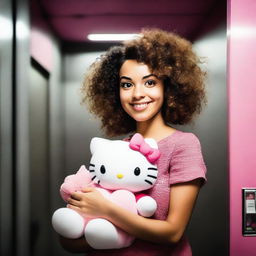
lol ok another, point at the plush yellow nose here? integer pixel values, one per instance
(119, 176)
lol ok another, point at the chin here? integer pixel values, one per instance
(142, 118)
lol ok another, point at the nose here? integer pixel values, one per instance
(119, 176)
(138, 92)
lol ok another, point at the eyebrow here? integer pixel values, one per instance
(144, 77)
(125, 77)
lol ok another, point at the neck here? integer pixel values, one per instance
(151, 128)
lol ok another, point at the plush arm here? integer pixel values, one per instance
(146, 205)
(183, 197)
(75, 182)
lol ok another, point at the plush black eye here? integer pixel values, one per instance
(102, 169)
(137, 171)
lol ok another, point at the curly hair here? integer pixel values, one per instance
(168, 56)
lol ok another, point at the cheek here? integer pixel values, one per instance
(158, 95)
(124, 98)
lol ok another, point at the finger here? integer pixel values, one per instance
(76, 196)
(74, 202)
(75, 208)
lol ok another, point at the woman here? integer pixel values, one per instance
(145, 86)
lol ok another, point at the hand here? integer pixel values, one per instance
(90, 202)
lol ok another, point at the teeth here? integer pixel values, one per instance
(141, 105)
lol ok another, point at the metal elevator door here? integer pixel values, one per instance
(39, 161)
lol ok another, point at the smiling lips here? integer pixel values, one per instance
(140, 106)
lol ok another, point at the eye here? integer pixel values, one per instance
(150, 83)
(102, 169)
(125, 85)
(137, 171)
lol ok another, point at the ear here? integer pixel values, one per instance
(152, 143)
(97, 143)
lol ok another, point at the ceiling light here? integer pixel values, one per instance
(111, 37)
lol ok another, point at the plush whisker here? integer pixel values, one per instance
(152, 168)
(149, 182)
(151, 176)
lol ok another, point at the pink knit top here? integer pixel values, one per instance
(181, 161)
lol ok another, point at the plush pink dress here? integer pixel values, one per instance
(181, 161)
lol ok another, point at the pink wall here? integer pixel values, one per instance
(242, 116)
(41, 48)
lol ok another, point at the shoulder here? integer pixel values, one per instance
(180, 138)
(184, 143)
(186, 139)
(187, 147)
(178, 144)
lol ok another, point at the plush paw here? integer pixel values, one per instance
(101, 234)
(68, 223)
(146, 206)
(75, 182)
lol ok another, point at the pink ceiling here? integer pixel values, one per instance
(73, 20)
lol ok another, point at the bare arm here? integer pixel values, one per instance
(182, 199)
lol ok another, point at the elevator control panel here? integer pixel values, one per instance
(249, 211)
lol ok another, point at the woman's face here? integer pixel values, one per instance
(141, 92)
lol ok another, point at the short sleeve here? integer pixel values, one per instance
(187, 161)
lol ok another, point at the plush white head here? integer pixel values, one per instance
(114, 165)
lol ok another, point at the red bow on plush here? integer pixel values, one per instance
(138, 143)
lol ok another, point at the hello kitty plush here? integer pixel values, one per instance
(119, 170)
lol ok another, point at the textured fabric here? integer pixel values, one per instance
(180, 161)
